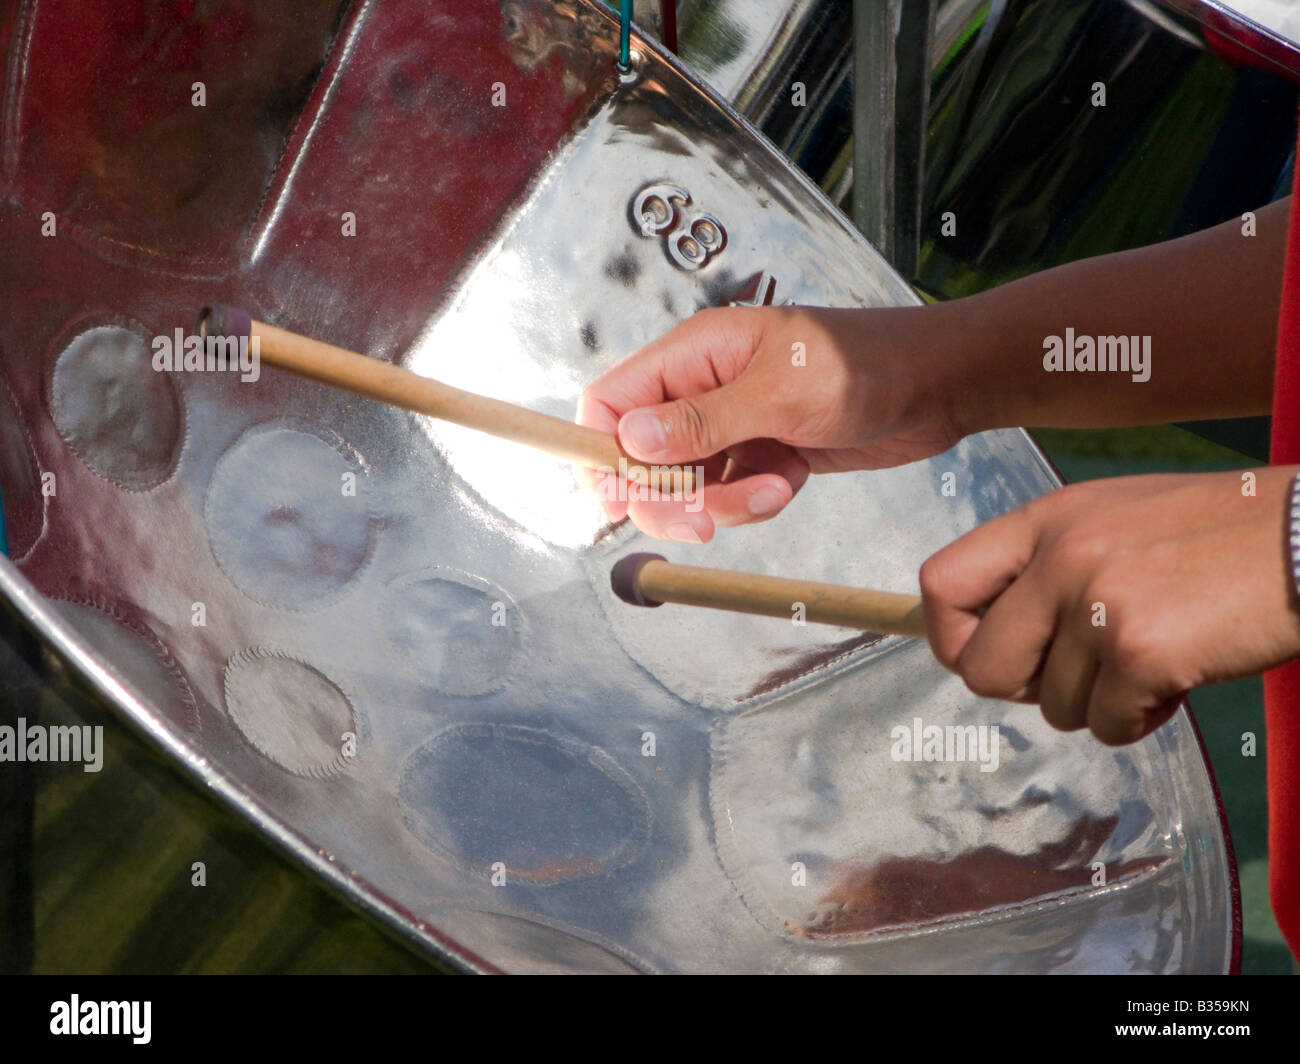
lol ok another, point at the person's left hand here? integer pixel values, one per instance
(1107, 601)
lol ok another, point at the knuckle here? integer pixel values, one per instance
(932, 578)
(1099, 587)
(1135, 650)
(1075, 549)
(986, 685)
(1061, 712)
(1101, 591)
(1119, 726)
(590, 403)
(945, 647)
(1159, 665)
(690, 426)
(1060, 716)
(985, 679)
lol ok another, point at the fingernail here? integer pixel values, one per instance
(644, 433)
(683, 532)
(766, 501)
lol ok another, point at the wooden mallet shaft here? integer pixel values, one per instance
(651, 580)
(400, 387)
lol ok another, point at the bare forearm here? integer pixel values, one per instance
(1207, 302)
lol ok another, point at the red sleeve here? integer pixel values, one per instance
(1282, 685)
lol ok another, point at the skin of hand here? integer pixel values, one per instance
(761, 397)
(1187, 574)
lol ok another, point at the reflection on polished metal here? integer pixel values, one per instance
(1032, 174)
(891, 81)
(1011, 143)
(756, 53)
(581, 786)
(1269, 30)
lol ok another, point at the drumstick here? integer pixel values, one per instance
(652, 580)
(400, 387)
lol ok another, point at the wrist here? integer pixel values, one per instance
(955, 352)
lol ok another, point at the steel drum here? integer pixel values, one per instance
(389, 643)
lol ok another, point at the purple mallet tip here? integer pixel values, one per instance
(623, 578)
(217, 319)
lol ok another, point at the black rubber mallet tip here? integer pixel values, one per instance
(217, 319)
(624, 578)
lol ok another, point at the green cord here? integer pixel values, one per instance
(625, 35)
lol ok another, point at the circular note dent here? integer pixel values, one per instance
(121, 417)
(548, 809)
(457, 632)
(287, 523)
(290, 711)
(135, 650)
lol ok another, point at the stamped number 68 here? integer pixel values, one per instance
(692, 237)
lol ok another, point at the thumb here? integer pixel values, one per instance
(693, 427)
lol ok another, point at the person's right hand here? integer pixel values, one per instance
(762, 396)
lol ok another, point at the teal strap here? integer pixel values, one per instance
(625, 35)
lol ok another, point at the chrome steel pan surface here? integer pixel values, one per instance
(389, 642)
